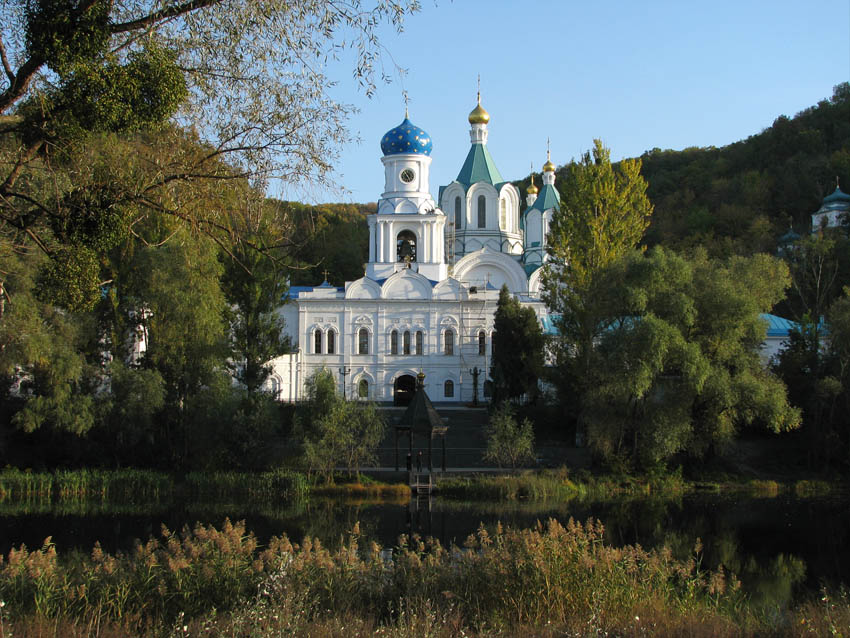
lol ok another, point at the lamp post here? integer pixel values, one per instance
(475, 372)
(344, 372)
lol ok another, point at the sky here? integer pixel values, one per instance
(638, 75)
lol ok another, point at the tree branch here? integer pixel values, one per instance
(164, 14)
(6, 67)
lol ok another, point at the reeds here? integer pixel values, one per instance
(551, 575)
(128, 485)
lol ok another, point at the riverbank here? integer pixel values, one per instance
(548, 580)
(130, 486)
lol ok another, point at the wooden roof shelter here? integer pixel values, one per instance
(421, 418)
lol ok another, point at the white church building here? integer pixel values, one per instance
(427, 299)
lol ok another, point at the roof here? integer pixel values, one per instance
(479, 167)
(420, 414)
(778, 326)
(406, 138)
(549, 197)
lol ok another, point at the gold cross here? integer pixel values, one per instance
(325, 273)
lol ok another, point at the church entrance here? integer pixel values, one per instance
(403, 389)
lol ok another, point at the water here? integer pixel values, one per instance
(780, 547)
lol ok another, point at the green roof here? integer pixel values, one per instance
(548, 198)
(479, 167)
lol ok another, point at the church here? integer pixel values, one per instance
(427, 299)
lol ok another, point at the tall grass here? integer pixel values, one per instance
(275, 484)
(552, 576)
(128, 485)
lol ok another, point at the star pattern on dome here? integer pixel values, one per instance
(406, 138)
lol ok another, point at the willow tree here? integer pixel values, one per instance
(602, 216)
(245, 78)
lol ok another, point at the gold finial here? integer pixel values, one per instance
(532, 189)
(478, 114)
(548, 166)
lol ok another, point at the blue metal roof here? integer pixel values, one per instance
(406, 138)
(549, 197)
(778, 326)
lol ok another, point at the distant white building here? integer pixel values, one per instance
(834, 210)
(427, 300)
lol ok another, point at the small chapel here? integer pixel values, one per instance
(427, 299)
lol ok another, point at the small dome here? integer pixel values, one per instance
(479, 115)
(406, 138)
(548, 166)
(532, 189)
(837, 196)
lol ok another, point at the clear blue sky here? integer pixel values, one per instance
(637, 75)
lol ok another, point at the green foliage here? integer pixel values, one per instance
(517, 349)
(63, 34)
(508, 442)
(678, 368)
(739, 199)
(602, 216)
(336, 431)
(70, 279)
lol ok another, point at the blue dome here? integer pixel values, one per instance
(406, 138)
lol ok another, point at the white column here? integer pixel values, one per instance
(380, 242)
(372, 240)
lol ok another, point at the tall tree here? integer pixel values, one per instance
(517, 350)
(602, 216)
(678, 369)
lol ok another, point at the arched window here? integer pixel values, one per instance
(482, 343)
(458, 214)
(503, 214)
(419, 342)
(317, 342)
(406, 246)
(482, 211)
(274, 382)
(363, 389)
(406, 342)
(363, 341)
(394, 342)
(449, 389)
(449, 339)
(331, 342)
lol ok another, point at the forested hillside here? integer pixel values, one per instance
(738, 199)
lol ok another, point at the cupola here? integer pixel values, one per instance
(406, 138)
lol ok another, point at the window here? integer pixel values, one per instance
(492, 344)
(450, 342)
(419, 342)
(363, 341)
(406, 342)
(394, 342)
(458, 214)
(482, 344)
(449, 389)
(331, 342)
(274, 382)
(363, 389)
(503, 216)
(406, 246)
(482, 211)
(317, 342)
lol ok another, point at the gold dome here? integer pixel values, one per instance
(532, 189)
(548, 166)
(479, 115)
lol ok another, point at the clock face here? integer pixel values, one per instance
(408, 175)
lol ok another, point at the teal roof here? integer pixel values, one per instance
(479, 167)
(779, 326)
(546, 199)
(837, 196)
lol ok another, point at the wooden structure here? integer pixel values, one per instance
(421, 419)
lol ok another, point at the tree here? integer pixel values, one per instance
(508, 443)
(254, 282)
(678, 369)
(335, 431)
(517, 349)
(82, 76)
(602, 216)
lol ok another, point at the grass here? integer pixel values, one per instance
(548, 580)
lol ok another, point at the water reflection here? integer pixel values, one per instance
(778, 547)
